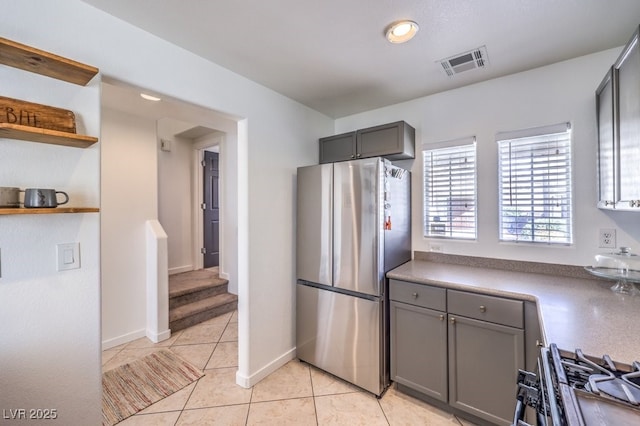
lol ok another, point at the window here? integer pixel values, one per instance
(535, 185)
(450, 189)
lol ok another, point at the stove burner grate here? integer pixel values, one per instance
(603, 379)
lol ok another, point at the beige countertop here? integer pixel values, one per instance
(573, 312)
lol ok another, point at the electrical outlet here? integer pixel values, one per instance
(607, 238)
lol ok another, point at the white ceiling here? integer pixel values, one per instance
(332, 56)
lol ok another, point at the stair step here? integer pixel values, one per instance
(196, 312)
(187, 282)
(192, 286)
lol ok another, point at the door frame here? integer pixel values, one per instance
(197, 197)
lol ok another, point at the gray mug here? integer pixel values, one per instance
(9, 196)
(38, 197)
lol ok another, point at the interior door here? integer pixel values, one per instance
(211, 214)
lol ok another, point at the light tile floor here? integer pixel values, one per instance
(295, 394)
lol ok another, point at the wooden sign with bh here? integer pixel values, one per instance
(23, 113)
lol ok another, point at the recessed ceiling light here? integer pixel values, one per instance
(401, 31)
(149, 97)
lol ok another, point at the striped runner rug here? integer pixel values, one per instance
(135, 386)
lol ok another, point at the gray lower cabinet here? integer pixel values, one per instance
(419, 349)
(484, 359)
(394, 141)
(458, 347)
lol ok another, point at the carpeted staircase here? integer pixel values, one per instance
(197, 296)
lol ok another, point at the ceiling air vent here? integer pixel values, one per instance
(476, 58)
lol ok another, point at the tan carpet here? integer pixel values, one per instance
(135, 386)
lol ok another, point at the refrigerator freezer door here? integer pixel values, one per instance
(358, 222)
(341, 334)
(314, 224)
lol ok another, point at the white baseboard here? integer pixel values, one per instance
(125, 338)
(249, 381)
(224, 275)
(180, 269)
(159, 337)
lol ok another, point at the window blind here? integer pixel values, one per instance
(450, 190)
(535, 185)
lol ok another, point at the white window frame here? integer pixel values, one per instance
(459, 217)
(535, 185)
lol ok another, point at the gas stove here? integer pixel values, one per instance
(574, 389)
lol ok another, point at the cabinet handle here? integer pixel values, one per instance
(353, 156)
(608, 203)
(634, 203)
(483, 308)
(441, 317)
(539, 344)
(415, 295)
(452, 320)
(358, 155)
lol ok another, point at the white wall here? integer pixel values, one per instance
(553, 94)
(129, 199)
(50, 320)
(274, 136)
(175, 205)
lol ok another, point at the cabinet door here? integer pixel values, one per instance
(484, 359)
(419, 349)
(394, 141)
(628, 94)
(606, 171)
(338, 148)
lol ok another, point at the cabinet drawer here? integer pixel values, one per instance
(487, 308)
(418, 294)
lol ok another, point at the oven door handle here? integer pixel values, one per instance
(523, 398)
(541, 419)
(518, 415)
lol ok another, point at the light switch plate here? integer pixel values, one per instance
(165, 145)
(68, 256)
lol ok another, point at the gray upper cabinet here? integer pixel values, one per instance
(606, 138)
(338, 148)
(627, 68)
(618, 109)
(394, 141)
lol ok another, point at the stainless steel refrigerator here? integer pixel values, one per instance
(353, 225)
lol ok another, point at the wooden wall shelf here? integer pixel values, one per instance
(56, 210)
(44, 63)
(35, 134)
